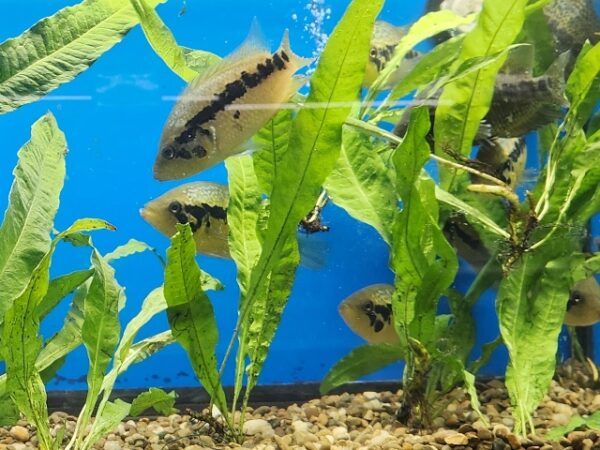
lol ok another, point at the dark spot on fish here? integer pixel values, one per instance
(236, 114)
(233, 91)
(199, 151)
(184, 154)
(454, 229)
(285, 56)
(378, 326)
(385, 311)
(278, 62)
(216, 212)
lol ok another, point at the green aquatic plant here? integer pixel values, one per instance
(92, 320)
(60, 47)
(536, 244)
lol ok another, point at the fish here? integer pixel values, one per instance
(503, 158)
(383, 44)
(583, 307)
(368, 313)
(203, 205)
(220, 110)
(522, 102)
(571, 22)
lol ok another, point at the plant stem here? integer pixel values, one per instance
(375, 130)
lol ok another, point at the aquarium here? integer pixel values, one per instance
(384, 211)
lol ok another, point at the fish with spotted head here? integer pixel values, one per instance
(225, 106)
(201, 204)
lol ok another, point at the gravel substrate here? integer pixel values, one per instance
(360, 421)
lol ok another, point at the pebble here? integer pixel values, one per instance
(340, 433)
(112, 445)
(255, 427)
(456, 439)
(19, 433)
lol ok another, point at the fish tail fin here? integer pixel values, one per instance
(556, 73)
(296, 62)
(297, 82)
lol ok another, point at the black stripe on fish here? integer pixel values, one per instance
(454, 229)
(385, 311)
(508, 166)
(233, 91)
(197, 215)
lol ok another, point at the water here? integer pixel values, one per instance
(112, 116)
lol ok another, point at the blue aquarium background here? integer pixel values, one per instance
(112, 116)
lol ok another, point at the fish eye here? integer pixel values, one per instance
(373, 52)
(168, 152)
(574, 299)
(175, 207)
(368, 307)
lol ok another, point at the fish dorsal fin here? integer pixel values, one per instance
(520, 61)
(254, 43)
(295, 62)
(556, 71)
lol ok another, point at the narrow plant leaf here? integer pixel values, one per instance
(114, 413)
(271, 142)
(59, 288)
(530, 304)
(423, 261)
(267, 312)
(33, 202)
(360, 362)
(191, 314)
(465, 102)
(156, 399)
(315, 138)
(242, 216)
(583, 85)
(100, 334)
(59, 47)
(162, 41)
(131, 247)
(23, 343)
(360, 183)
(145, 348)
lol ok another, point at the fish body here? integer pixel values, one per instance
(505, 158)
(571, 22)
(368, 313)
(224, 107)
(383, 44)
(523, 103)
(583, 308)
(201, 204)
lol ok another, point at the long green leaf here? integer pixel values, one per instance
(465, 102)
(59, 288)
(25, 231)
(531, 303)
(315, 138)
(360, 183)
(100, 334)
(360, 362)
(592, 422)
(422, 259)
(242, 216)
(191, 314)
(59, 47)
(162, 41)
(272, 143)
(23, 343)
